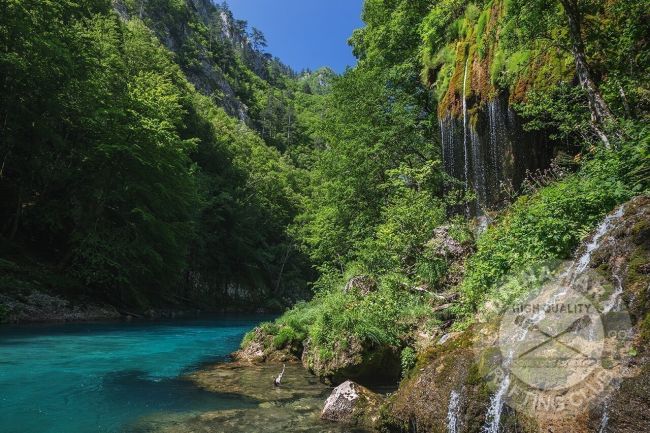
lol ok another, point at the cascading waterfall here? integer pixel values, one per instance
(602, 428)
(478, 168)
(491, 149)
(495, 409)
(452, 412)
(465, 125)
(498, 137)
(603, 228)
(493, 417)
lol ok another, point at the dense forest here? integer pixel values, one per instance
(390, 218)
(154, 155)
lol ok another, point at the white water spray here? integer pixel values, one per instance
(453, 412)
(567, 278)
(603, 228)
(465, 125)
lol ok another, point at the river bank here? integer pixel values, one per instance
(293, 407)
(36, 306)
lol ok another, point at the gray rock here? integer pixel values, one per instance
(353, 404)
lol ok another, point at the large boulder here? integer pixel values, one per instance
(352, 404)
(351, 359)
(259, 347)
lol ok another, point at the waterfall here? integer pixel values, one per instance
(603, 228)
(465, 125)
(490, 147)
(602, 428)
(497, 143)
(478, 172)
(567, 278)
(614, 302)
(493, 417)
(453, 412)
(447, 132)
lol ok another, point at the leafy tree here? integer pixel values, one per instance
(536, 19)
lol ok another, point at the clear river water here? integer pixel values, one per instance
(85, 378)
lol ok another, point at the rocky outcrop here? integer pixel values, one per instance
(206, 52)
(455, 385)
(352, 360)
(259, 347)
(444, 374)
(352, 404)
(37, 306)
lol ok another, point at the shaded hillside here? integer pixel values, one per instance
(123, 178)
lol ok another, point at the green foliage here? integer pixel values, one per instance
(123, 175)
(549, 224)
(408, 359)
(381, 318)
(563, 110)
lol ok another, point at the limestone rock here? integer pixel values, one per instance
(260, 348)
(352, 360)
(353, 404)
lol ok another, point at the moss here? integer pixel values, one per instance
(644, 328)
(474, 376)
(641, 232)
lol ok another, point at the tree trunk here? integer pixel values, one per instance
(284, 262)
(600, 112)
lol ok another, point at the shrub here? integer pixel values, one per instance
(408, 360)
(550, 223)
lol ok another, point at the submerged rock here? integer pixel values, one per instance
(256, 381)
(257, 405)
(351, 403)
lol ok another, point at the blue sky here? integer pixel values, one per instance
(304, 33)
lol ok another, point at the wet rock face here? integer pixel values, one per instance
(352, 404)
(487, 147)
(444, 390)
(367, 365)
(448, 392)
(626, 255)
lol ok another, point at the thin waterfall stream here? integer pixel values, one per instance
(566, 280)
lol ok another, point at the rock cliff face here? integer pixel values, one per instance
(477, 81)
(211, 46)
(449, 390)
